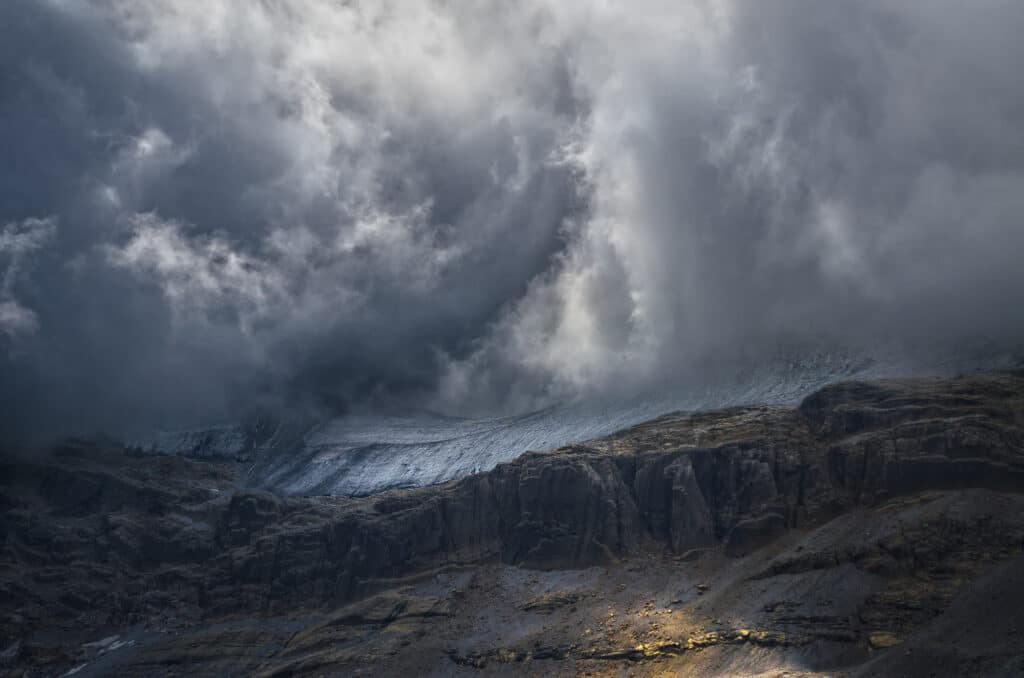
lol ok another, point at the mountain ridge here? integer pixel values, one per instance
(912, 488)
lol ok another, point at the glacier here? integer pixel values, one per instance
(361, 454)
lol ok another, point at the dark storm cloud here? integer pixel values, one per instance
(214, 206)
(255, 205)
(770, 174)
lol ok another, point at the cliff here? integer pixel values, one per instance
(820, 538)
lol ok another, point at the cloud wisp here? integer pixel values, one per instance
(17, 243)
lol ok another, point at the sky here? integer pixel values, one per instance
(211, 207)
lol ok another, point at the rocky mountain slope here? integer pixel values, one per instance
(877, 529)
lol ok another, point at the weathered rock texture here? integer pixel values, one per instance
(96, 539)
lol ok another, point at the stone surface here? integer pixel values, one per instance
(822, 535)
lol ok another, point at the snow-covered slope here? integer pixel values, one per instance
(361, 454)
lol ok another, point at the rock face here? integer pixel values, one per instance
(96, 539)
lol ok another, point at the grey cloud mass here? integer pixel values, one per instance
(213, 206)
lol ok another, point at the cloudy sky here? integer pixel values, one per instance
(210, 206)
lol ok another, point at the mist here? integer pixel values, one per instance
(213, 207)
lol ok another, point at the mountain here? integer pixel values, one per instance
(876, 529)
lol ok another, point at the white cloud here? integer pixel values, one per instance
(18, 242)
(199, 276)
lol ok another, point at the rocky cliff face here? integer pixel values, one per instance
(97, 540)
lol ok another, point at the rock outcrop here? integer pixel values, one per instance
(97, 539)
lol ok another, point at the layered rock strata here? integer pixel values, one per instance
(96, 539)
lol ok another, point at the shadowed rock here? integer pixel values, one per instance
(161, 540)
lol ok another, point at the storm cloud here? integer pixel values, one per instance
(209, 207)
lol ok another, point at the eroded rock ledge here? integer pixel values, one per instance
(95, 538)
